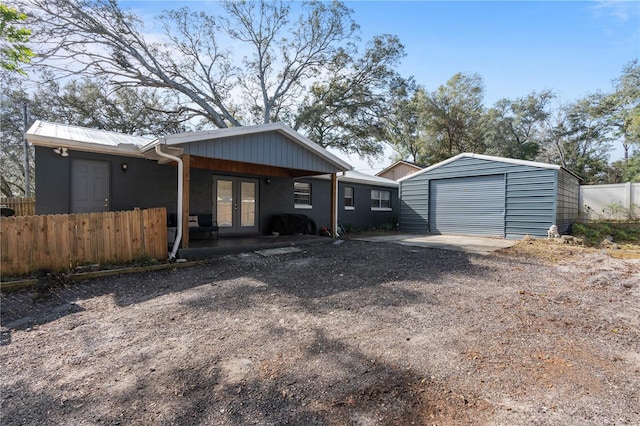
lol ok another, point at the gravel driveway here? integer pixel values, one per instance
(357, 333)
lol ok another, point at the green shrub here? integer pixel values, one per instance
(594, 232)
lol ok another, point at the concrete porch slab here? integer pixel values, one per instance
(469, 244)
(277, 251)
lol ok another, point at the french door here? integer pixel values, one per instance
(235, 204)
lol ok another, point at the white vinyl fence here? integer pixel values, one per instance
(619, 201)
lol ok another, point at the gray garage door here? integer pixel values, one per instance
(470, 205)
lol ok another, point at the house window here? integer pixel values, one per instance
(380, 200)
(348, 198)
(302, 195)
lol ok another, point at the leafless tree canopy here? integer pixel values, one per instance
(196, 56)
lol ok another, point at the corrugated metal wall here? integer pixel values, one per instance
(530, 199)
(414, 205)
(269, 148)
(568, 204)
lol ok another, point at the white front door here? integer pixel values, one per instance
(235, 205)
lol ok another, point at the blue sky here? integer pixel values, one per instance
(573, 47)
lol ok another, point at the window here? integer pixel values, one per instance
(302, 195)
(380, 200)
(348, 198)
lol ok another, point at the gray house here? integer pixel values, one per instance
(476, 194)
(242, 177)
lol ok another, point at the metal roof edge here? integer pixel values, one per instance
(34, 137)
(298, 138)
(50, 142)
(489, 158)
(362, 178)
(180, 138)
(312, 146)
(513, 161)
(434, 166)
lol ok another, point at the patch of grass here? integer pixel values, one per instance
(595, 232)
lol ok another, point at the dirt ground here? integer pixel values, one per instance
(351, 334)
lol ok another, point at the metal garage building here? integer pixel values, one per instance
(476, 194)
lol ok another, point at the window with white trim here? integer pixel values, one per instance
(348, 198)
(302, 195)
(380, 200)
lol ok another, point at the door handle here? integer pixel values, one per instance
(106, 203)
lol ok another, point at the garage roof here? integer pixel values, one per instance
(489, 158)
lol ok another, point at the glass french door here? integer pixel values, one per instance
(235, 204)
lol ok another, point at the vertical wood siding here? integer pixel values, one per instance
(270, 148)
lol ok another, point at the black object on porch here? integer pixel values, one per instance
(293, 224)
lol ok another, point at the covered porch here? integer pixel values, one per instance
(242, 177)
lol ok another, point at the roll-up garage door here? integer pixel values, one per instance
(469, 205)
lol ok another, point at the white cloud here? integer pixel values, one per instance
(621, 10)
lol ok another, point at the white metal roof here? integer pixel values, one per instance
(55, 135)
(485, 157)
(355, 176)
(45, 133)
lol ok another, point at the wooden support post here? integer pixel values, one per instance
(334, 204)
(186, 176)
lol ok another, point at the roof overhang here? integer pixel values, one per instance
(353, 176)
(54, 135)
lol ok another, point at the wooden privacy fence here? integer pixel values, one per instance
(61, 242)
(22, 206)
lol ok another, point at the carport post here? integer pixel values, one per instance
(334, 204)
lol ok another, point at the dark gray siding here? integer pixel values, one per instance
(145, 184)
(148, 184)
(270, 148)
(361, 217)
(530, 195)
(568, 203)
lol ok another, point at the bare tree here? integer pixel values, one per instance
(285, 54)
(97, 38)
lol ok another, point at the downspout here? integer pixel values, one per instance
(176, 242)
(336, 234)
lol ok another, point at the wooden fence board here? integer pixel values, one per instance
(61, 242)
(22, 206)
